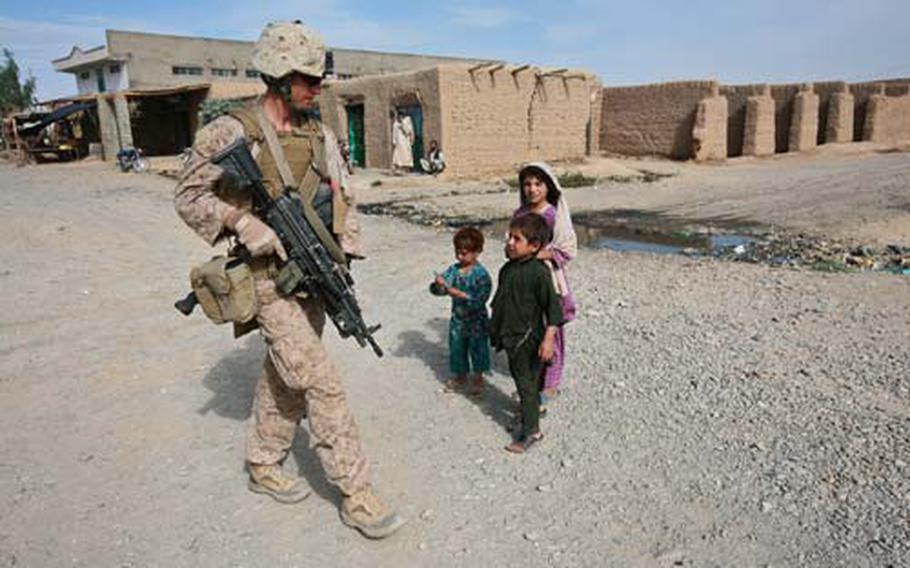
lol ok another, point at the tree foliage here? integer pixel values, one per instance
(210, 110)
(14, 95)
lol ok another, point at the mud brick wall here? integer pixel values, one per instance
(804, 122)
(495, 119)
(709, 135)
(652, 119)
(887, 119)
(783, 96)
(861, 93)
(825, 90)
(758, 137)
(596, 125)
(737, 96)
(839, 126)
(379, 95)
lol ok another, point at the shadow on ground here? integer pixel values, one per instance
(432, 349)
(232, 381)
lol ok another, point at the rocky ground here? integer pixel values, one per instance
(715, 413)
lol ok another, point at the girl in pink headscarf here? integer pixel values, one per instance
(540, 193)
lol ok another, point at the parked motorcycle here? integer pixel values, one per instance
(130, 159)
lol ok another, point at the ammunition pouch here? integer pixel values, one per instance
(225, 289)
(290, 278)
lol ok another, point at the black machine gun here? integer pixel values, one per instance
(310, 266)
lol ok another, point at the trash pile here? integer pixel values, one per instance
(422, 215)
(800, 250)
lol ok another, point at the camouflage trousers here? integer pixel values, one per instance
(299, 380)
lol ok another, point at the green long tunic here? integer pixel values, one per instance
(524, 304)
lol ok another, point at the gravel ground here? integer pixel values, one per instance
(715, 413)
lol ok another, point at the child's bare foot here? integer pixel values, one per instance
(455, 384)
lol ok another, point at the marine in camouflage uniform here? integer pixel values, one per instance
(299, 379)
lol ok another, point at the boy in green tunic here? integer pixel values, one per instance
(526, 313)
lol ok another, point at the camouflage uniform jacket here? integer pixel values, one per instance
(203, 196)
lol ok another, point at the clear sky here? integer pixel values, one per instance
(627, 42)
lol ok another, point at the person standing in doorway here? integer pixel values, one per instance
(402, 143)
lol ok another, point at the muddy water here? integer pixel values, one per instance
(641, 231)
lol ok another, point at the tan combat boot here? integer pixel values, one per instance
(270, 479)
(366, 513)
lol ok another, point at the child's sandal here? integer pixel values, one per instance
(453, 385)
(523, 444)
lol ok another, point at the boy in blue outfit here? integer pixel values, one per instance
(469, 284)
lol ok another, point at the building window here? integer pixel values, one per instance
(252, 74)
(85, 75)
(114, 69)
(185, 70)
(221, 72)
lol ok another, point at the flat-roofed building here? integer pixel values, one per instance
(137, 60)
(149, 87)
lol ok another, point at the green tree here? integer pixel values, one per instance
(14, 95)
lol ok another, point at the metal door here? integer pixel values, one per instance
(355, 135)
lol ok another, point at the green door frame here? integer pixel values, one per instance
(356, 137)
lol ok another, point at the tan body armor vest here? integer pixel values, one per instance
(301, 147)
(304, 150)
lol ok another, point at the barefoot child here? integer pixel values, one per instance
(469, 285)
(526, 314)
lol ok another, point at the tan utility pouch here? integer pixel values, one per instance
(225, 289)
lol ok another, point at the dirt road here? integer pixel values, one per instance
(715, 413)
(829, 193)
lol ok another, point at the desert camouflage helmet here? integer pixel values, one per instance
(286, 47)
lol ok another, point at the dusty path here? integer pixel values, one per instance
(716, 413)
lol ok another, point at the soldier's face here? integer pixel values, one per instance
(304, 90)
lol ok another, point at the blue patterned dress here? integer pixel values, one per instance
(469, 326)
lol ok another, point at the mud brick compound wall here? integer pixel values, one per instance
(887, 119)
(826, 91)
(487, 119)
(758, 131)
(709, 134)
(737, 97)
(497, 117)
(379, 95)
(652, 119)
(861, 93)
(760, 120)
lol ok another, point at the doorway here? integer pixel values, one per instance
(356, 143)
(161, 123)
(415, 111)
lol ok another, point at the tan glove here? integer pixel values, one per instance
(258, 237)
